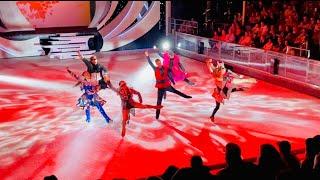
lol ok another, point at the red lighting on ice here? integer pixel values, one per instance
(42, 132)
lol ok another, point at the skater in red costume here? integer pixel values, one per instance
(223, 80)
(128, 104)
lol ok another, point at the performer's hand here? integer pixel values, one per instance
(79, 55)
(68, 69)
(146, 53)
(173, 81)
(140, 98)
(97, 88)
(106, 78)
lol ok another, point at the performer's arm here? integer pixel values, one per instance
(113, 88)
(234, 74)
(181, 67)
(84, 60)
(170, 63)
(171, 77)
(105, 74)
(160, 54)
(73, 74)
(210, 65)
(224, 82)
(149, 60)
(170, 71)
(104, 69)
(80, 55)
(137, 93)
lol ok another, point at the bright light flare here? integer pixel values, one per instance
(166, 45)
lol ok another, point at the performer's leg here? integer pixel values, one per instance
(159, 101)
(237, 89)
(125, 118)
(215, 111)
(99, 99)
(102, 84)
(173, 90)
(109, 84)
(189, 82)
(231, 90)
(106, 117)
(226, 92)
(88, 114)
(146, 106)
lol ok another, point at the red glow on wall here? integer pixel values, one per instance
(36, 9)
(44, 14)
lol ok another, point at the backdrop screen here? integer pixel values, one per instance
(43, 14)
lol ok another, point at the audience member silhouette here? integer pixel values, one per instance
(170, 171)
(307, 163)
(290, 160)
(196, 172)
(236, 168)
(292, 169)
(270, 162)
(154, 178)
(316, 167)
(317, 143)
(52, 177)
(272, 165)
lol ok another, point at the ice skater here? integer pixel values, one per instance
(90, 97)
(178, 71)
(163, 81)
(96, 69)
(128, 103)
(223, 81)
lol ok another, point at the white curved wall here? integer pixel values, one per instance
(149, 20)
(102, 8)
(115, 34)
(11, 48)
(109, 27)
(17, 21)
(129, 18)
(107, 17)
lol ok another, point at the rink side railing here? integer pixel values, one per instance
(183, 26)
(292, 67)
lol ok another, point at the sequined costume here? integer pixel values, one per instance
(177, 69)
(90, 97)
(223, 81)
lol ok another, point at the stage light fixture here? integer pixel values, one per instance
(165, 45)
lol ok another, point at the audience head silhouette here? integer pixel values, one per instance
(52, 177)
(196, 162)
(285, 147)
(233, 154)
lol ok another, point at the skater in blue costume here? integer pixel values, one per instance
(90, 96)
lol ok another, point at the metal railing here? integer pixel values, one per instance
(215, 25)
(183, 26)
(292, 67)
(295, 51)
